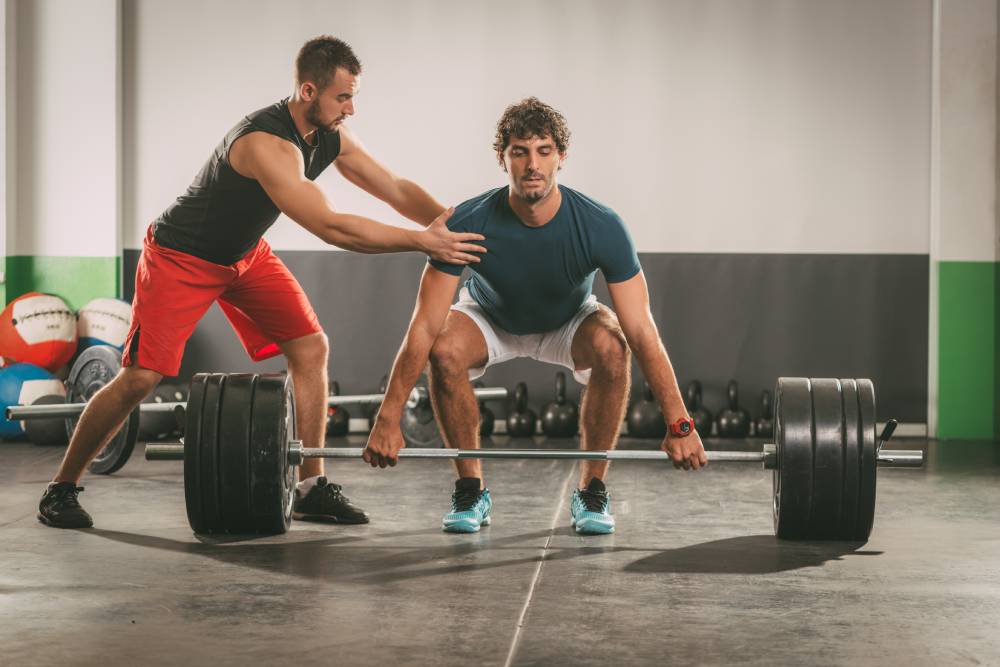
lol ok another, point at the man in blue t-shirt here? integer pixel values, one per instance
(530, 296)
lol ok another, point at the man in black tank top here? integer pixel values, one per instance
(207, 247)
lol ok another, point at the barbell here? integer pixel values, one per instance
(240, 453)
(98, 365)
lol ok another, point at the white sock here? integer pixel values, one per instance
(306, 485)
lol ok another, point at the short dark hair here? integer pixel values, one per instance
(531, 118)
(319, 59)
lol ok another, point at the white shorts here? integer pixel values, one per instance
(553, 347)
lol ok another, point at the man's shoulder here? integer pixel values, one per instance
(477, 208)
(273, 116)
(589, 207)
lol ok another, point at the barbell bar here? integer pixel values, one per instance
(898, 458)
(418, 396)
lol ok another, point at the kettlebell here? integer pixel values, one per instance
(561, 417)
(47, 432)
(338, 419)
(765, 423)
(521, 420)
(487, 420)
(734, 421)
(702, 417)
(373, 408)
(645, 419)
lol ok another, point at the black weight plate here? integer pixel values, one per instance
(235, 419)
(209, 459)
(192, 453)
(47, 432)
(793, 474)
(272, 478)
(418, 425)
(828, 459)
(420, 428)
(95, 367)
(852, 461)
(868, 467)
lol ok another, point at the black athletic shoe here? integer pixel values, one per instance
(60, 507)
(326, 503)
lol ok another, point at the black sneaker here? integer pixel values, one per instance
(326, 503)
(60, 507)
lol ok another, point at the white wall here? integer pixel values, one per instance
(7, 134)
(67, 129)
(968, 104)
(710, 125)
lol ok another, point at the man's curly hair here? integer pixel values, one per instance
(531, 118)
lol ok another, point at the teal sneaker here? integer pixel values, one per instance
(470, 507)
(590, 510)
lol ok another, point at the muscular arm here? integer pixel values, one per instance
(433, 302)
(631, 302)
(277, 165)
(359, 167)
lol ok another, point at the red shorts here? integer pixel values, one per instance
(260, 297)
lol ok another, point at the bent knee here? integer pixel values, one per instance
(138, 383)
(610, 350)
(311, 350)
(446, 359)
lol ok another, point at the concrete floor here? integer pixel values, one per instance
(693, 575)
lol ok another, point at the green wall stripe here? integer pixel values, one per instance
(76, 279)
(968, 350)
(996, 352)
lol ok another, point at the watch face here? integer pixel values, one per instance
(685, 427)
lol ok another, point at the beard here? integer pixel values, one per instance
(313, 117)
(535, 196)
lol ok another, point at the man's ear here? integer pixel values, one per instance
(500, 160)
(307, 91)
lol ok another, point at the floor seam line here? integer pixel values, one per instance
(538, 572)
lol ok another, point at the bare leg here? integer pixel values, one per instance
(103, 416)
(307, 360)
(600, 345)
(459, 347)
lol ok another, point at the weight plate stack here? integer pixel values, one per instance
(824, 483)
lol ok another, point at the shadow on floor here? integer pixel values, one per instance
(362, 559)
(750, 554)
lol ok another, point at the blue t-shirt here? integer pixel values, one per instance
(534, 279)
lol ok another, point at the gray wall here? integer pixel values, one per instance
(722, 316)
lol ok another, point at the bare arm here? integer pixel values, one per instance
(631, 301)
(359, 167)
(277, 165)
(433, 302)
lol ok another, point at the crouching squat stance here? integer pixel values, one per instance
(530, 296)
(208, 247)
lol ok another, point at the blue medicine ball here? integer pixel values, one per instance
(22, 384)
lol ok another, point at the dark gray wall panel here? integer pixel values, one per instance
(749, 317)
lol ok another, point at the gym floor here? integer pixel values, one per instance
(693, 574)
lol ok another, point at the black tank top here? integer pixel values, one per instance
(222, 215)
